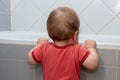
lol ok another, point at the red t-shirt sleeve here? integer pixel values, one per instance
(83, 54)
(37, 53)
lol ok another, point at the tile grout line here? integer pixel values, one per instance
(113, 66)
(116, 57)
(15, 59)
(106, 48)
(33, 72)
(116, 74)
(116, 63)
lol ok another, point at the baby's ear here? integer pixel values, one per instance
(75, 36)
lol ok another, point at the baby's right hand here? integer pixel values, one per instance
(90, 44)
(42, 40)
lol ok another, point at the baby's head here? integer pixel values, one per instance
(62, 24)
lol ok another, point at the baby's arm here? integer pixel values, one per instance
(30, 57)
(92, 60)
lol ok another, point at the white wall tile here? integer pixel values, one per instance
(24, 15)
(58, 3)
(96, 16)
(118, 16)
(85, 28)
(44, 5)
(79, 5)
(114, 5)
(39, 26)
(113, 28)
(4, 15)
(14, 4)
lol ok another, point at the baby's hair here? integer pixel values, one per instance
(62, 23)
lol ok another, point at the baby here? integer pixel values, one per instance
(62, 59)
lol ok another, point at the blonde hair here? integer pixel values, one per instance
(62, 23)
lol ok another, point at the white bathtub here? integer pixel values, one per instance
(29, 38)
(16, 37)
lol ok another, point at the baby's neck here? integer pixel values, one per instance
(63, 43)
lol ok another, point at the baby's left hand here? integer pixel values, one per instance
(42, 40)
(90, 44)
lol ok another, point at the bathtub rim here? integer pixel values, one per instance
(82, 37)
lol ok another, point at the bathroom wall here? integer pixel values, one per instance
(13, 64)
(97, 16)
(4, 15)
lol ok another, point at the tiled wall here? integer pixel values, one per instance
(13, 64)
(4, 15)
(97, 16)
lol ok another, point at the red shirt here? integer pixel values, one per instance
(60, 62)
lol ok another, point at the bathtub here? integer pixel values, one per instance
(30, 38)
